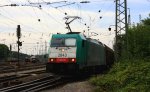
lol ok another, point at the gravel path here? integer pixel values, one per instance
(82, 86)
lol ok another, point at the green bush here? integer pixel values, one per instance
(125, 76)
(138, 43)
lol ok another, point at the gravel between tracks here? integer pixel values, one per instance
(83, 86)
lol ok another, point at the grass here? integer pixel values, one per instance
(125, 76)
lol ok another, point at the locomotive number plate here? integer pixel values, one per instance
(62, 55)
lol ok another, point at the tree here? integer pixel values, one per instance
(139, 39)
(146, 21)
(4, 51)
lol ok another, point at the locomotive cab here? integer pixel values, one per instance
(62, 50)
(63, 54)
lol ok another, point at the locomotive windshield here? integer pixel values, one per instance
(63, 42)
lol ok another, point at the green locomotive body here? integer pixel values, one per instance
(73, 52)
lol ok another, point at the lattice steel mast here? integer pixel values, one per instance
(121, 25)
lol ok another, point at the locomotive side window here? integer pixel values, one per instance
(57, 42)
(70, 42)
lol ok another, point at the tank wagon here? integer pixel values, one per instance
(74, 53)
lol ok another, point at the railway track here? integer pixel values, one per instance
(3, 68)
(36, 85)
(14, 79)
(10, 78)
(7, 70)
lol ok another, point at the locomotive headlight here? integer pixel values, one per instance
(63, 50)
(72, 59)
(52, 60)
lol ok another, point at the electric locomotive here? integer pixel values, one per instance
(74, 53)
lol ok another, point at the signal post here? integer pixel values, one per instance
(18, 42)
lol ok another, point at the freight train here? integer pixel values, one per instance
(74, 53)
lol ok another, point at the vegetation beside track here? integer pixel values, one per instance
(132, 72)
(125, 76)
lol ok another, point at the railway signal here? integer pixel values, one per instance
(18, 31)
(18, 42)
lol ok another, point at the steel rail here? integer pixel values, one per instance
(45, 84)
(10, 78)
(23, 86)
(21, 69)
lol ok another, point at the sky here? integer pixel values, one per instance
(39, 23)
